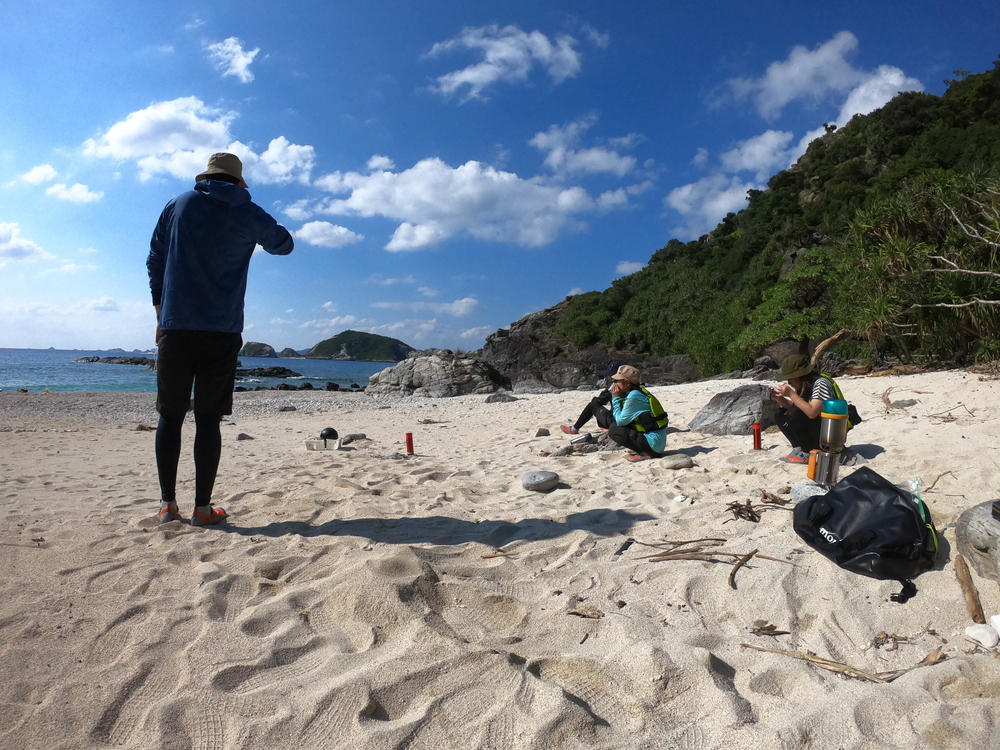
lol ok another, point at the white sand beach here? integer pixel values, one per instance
(364, 598)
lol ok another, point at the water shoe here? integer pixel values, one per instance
(206, 515)
(569, 429)
(797, 456)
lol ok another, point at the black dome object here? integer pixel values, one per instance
(328, 433)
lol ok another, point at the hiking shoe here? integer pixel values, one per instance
(207, 517)
(569, 429)
(636, 458)
(797, 456)
(168, 512)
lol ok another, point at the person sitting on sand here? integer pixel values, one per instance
(801, 401)
(636, 420)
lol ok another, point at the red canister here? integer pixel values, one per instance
(409, 443)
(756, 436)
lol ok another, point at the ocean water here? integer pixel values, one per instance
(55, 369)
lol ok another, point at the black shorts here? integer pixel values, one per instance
(206, 359)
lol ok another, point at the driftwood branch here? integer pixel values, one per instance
(972, 602)
(840, 335)
(739, 564)
(847, 670)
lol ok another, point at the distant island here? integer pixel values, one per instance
(347, 345)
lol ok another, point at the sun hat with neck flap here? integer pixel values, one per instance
(795, 366)
(629, 373)
(223, 163)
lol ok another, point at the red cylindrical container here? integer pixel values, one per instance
(756, 436)
(409, 443)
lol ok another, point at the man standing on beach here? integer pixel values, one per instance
(198, 261)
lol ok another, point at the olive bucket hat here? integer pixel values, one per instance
(795, 366)
(223, 163)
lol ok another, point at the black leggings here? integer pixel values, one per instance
(207, 451)
(625, 436)
(801, 431)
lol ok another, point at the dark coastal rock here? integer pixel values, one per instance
(501, 397)
(268, 372)
(734, 412)
(532, 357)
(435, 376)
(333, 386)
(977, 536)
(307, 386)
(143, 361)
(284, 387)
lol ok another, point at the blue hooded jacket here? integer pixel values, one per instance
(200, 254)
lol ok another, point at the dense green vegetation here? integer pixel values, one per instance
(889, 227)
(368, 347)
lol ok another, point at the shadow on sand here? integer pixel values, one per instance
(447, 530)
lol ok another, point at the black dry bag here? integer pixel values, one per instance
(868, 525)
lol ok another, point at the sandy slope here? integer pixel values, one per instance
(357, 597)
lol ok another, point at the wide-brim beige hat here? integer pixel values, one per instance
(629, 373)
(223, 163)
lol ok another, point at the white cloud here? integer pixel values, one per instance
(76, 194)
(434, 202)
(806, 74)
(427, 291)
(281, 322)
(574, 291)
(626, 267)
(38, 175)
(176, 138)
(325, 234)
(81, 324)
(705, 203)
(700, 157)
(298, 211)
(327, 327)
(380, 164)
(71, 268)
(763, 154)
(612, 199)
(383, 281)
(103, 304)
(875, 90)
(564, 158)
(479, 332)
(508, 54)
(15, 247)
(330, 306)
(230, 57)
(459, 308)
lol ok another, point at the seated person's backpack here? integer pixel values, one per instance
(868, 525)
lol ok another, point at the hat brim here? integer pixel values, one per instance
(622, 377)
(801, 372)
(210, 175)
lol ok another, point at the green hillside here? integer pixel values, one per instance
(889, 227)
(354, 345)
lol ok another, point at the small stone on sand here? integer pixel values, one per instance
(540, 481)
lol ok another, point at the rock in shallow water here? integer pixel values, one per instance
(540, 481)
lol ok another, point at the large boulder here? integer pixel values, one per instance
(437, 374)
(534, 358)
(734, 412)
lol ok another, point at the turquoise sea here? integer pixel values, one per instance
(55, 369)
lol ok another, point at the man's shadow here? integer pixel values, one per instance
(447, 530)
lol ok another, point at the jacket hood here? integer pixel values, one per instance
(231, 195)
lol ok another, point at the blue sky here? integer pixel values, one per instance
(446, 167)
